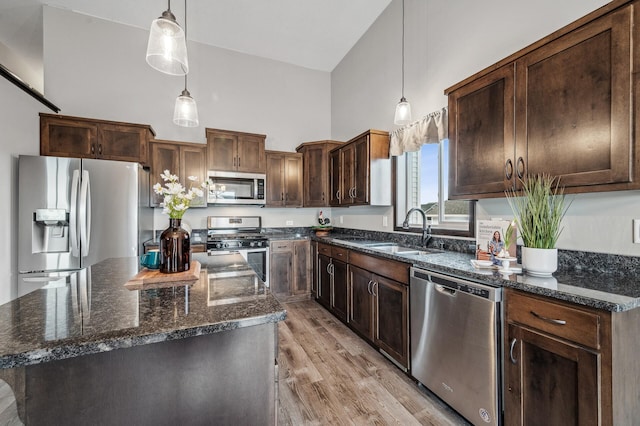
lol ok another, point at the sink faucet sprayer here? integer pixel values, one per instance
(426, 226)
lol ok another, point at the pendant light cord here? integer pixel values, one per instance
(185, 36)
(402, 47)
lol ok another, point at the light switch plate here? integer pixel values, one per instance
(636, 231)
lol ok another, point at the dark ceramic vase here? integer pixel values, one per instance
(175, 248)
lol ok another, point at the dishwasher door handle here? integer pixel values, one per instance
(445, 290)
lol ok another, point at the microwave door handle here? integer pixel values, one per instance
(85, 213)
(73, 214)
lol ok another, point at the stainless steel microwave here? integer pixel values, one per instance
(236, 188)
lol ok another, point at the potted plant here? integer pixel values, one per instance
(538, 209)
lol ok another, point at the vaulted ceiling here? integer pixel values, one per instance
(315, 34)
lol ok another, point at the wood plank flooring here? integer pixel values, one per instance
(330, 376)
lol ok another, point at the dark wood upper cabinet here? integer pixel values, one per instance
(65, 136)
(481, 134)
(235, 151)
(563, 106)
(360, 171)
(315, 165)
(182, 159)
(284, 179)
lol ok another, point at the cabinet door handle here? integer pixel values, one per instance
(238, 161)
(329, 268)
(551, 320)
(93, 149)
(508, 169)
(282, 196)
(520, 167)
(513, 345)
(338, 195)
(369, 286)
(100, 149)
(322, 195)
(374, 288)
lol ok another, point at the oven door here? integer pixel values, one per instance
(236, 188)
(258, 259)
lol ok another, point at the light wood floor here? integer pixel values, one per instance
(330, 376)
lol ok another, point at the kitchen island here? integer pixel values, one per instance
(90, 351)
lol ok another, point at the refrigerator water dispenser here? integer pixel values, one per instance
(50, 231)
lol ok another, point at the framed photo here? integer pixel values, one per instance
(495, 238)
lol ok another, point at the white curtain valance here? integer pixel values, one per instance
(432, 128)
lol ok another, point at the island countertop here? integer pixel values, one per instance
(92, 311)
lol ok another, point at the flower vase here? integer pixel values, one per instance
(175, 248)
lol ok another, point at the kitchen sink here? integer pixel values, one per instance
(389, 247)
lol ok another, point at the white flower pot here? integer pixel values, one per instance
(539, 262)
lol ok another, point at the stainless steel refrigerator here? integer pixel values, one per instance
(75, 212)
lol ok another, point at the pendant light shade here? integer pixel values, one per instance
(167, 47)
(403, 109)
(403, 112)
(185, 113)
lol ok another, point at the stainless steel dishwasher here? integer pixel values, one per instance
(455, 343)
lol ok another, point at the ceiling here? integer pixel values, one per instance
(314, 34)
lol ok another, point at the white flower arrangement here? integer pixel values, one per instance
(176, 200)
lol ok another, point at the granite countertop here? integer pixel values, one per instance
(93, 312)
(606, 291)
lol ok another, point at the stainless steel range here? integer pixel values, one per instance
(242, 234)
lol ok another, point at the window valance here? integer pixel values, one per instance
(431, 128)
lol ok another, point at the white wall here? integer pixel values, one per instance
(103, 74)
(96, 68)
(447, 42)
(19, 134)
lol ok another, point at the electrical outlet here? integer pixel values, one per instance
(289, 222)
(636, 231)
(341, 220)
(385, 221)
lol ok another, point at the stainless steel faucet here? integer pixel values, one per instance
(426, 227)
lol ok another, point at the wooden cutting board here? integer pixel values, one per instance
(153, 278)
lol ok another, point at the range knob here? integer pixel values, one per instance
(226, 245)
(218, 245)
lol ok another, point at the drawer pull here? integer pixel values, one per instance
(551, 320)
(513, 345)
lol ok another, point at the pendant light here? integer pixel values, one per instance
(403, 109)
(167, 47)
(185, 112)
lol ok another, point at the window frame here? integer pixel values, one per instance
(399, 206)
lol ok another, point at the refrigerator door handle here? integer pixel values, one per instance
(73, 214)
(85, 213)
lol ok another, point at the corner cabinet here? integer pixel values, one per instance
(235, 151)
(315, 165)
(66, 136)
(290, 269)
(562, 106)
(181, 159)
(569, 364)
(360, 171)
(284, 179)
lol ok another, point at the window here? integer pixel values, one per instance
(422, 181)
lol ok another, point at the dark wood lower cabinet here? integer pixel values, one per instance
(339, 290)
(551, 382)
(379, 311)
(290, 269)
(324, 281)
